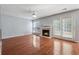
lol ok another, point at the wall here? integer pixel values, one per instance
(76, 15)
(48, 21)
(0, 27)
(15, 26)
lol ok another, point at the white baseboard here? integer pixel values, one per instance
(77, 41)
(14, 36)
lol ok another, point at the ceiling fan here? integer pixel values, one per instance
(32, 12)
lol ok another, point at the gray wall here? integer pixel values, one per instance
(0, 28)
(0, 25)
(49, 21)
(76, 15)
(15, 26)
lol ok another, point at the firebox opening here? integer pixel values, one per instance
(45, 33)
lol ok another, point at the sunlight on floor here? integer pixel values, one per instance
(36, 41)
(62, 48)
(57, 48)
(67, 49)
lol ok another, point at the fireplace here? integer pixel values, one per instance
(45, 33)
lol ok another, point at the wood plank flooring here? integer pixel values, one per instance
(35, 45)
(0, 46)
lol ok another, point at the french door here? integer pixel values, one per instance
(67, 24)
(63, 27)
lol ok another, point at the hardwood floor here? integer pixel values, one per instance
(0, 46)
(35, 45)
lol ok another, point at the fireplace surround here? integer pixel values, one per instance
(46, 31)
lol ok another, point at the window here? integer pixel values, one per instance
(34, 26)
(56, 27)
(63, 27)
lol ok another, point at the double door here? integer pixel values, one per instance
(63, 27)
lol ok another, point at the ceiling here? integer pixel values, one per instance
(41, 10)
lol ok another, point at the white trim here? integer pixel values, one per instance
(61, 38)
(77, 41)
(14, 36)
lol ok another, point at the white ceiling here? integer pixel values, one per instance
(42, 10)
